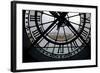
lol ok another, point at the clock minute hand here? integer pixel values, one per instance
(42, 34)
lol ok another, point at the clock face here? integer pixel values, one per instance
(56, 34)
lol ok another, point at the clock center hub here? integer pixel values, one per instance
(62, 22)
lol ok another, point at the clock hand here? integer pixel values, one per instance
(61, 19)
(59, 24)
(58, 17)
(63, 14)
(42, 34)
(54, 14)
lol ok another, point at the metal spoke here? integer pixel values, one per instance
(78, 24)
(46, 23)
(57, 35)
(50, 30)
(75, 23)
(46, 14)
(73, 16)
(40, 24)
(44, 31)
(65, 33)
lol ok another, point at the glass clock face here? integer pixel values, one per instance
(56, 34)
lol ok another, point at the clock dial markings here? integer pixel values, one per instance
(87, 20)
(53, 49)
(36, 33)
(84, 34)
(32, 18)
(60, 49)
(68, 48)
(75, 44)
(80, 40)
(71, 47)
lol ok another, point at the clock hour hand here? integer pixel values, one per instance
(58, 25)
(54, 14)
(61, 19)
(63, 14)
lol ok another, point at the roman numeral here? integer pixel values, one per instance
(72, 47)
(32, 18)
(87, 19)
(80, 41)
(61, 49)
(35, 33)
(75, 45)
(53, 49)
(68, 48)
(84, 34)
